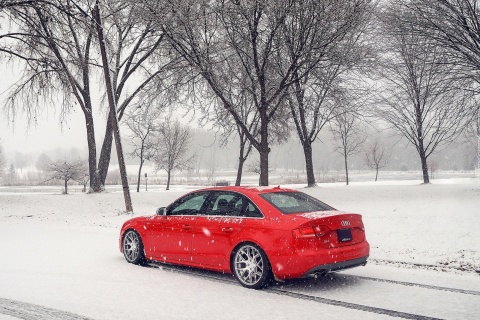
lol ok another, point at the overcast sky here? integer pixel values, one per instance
(47, 133)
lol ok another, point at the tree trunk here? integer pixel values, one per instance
(346, 167)
(168, 179)
(238, 181)
(420, 147)
(105, 153)
(66, 187)
(139, 175)
(111, 103)
(95, 185)
(423, 158)
(264, 165)
(264, 150)
(241, 161)
(376, 174)
(307, 150)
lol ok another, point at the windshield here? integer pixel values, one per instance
(295, 202)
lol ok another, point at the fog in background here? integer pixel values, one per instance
(24, 142)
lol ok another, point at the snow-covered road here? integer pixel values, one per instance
(81, 271)
(60, 254)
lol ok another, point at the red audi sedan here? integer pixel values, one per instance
(256, 233)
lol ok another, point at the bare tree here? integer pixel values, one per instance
(244, 150)
(421, 96)
(376, 156)
(84, 181)
(112, 106)
(5, 4)
(248, 114)
(455, 26)
(54, 39)
(173, 145)
(472, 137)
(346, 131)
(142, 64)
(55, 42)
(310, 97)
(143, 122)
(67, 171)
(433, 166)
(452, 24)
(214, 113)
(240, 46)
(279, 129)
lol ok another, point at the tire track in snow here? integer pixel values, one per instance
(222, 278)
(29, 311)
(412, 284)
(417, 265)
(361, 307)
(404, 283)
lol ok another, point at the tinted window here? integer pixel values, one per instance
(224, 203)
(188, 205)
(295, 202)
(252, 211)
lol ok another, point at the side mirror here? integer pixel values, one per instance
(162, 211)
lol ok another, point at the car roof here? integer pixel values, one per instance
(247, 190)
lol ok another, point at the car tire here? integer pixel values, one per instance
(250, 266)
(132, 247)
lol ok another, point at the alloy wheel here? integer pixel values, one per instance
(249, 265)
(131, 246)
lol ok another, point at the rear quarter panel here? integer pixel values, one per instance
(274, 238)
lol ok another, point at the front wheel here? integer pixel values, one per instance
(251, 267)
(132, 247)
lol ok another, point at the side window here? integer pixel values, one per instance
(225, 204)
(188, 205)
(252, 211)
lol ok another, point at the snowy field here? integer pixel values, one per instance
(60, 258)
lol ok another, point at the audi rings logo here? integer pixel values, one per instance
(345, 223)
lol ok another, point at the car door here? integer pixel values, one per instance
(172, 234)
(216, 228)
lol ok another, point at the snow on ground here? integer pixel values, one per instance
(62, 252)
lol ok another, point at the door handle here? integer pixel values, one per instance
(186, 227)
(227, 229)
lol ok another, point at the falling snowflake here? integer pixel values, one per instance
(206, 232)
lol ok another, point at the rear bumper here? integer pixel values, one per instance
(302, 263)
(337, 266)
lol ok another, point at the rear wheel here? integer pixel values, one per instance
(251, 267)
(132, 247)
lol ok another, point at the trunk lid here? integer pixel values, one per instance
(330, 229)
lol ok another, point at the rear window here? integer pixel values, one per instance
(295, 202)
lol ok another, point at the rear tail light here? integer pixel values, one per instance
(310, 232)
(306, 232)
(321, 230)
